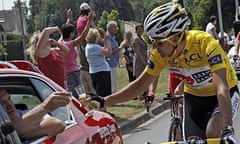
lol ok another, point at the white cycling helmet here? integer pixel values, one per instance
(166, 20)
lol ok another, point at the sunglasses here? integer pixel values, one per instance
(167, 39)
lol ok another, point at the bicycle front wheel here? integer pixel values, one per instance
(175, 130)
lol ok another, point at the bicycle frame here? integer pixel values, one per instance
(175, 129)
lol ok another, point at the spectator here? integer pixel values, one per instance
(36, 122)
(84, 66)
(71, 64)
(226, 41)
(48, 54)
(98, 66)
(140, 48)
(102, 34)
(112, 29)
(237, 44)
(128, 54)
(211, 27)
(83, 18)
(236, 26)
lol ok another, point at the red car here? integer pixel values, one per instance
(28, 87)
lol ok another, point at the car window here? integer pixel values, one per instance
(44, 90)
(29, 100)
(30, 91)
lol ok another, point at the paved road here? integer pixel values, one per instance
(156, 129)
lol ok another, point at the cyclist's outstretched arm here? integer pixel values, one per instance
(223, 95)
(153, 86)
(132, 90)
(224, 101)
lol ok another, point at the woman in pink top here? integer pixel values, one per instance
(48, 54)
(71, 64)
(83, 18)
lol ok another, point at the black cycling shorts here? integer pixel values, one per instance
(198, 111)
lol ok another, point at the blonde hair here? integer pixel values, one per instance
(93, 35)
(128, 33)
(33, 44)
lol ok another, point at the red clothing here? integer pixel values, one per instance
(173, 83)
(53, 67)
(81, 23)
(238, 36)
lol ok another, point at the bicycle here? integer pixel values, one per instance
(175, 129)
(206, 141)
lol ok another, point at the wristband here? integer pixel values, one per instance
(98, 98)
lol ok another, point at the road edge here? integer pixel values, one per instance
(129, 125)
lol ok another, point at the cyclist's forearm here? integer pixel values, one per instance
(224, 102)
(223, 95)
(132, 90)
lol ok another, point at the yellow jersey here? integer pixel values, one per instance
(201, 56)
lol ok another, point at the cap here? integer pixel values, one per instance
(84, 6)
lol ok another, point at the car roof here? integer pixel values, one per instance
(19, 64)
(23, 68)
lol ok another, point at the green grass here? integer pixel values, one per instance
(131, 108)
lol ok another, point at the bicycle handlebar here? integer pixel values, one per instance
(205, 141)
(176, 97)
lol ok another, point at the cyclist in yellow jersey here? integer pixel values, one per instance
(211, 95)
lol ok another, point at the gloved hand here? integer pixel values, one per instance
(228, 135)
(97, 98)
(148, 99)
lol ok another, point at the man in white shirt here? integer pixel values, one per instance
(211, 27)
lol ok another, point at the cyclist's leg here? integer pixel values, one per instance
(179, 91)
(215, 123)
(197, 112)
(176, 88)
(173, 82)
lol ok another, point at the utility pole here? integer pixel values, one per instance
(3, 5)
(220, 21)
(22, 28)
(237, 10)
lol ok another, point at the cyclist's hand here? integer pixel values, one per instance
(148, 100)
(228, 135)
(96, 98)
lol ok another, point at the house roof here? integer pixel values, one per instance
(7, 20)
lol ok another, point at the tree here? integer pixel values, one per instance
(201, 10)
(130, 10)
(103, 20)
